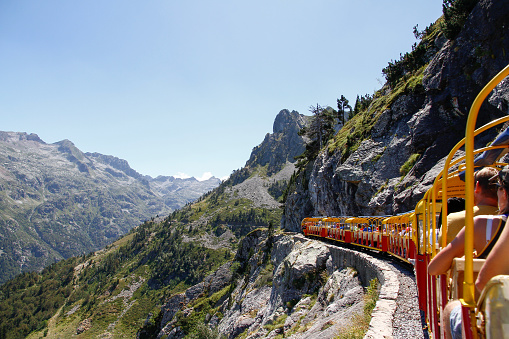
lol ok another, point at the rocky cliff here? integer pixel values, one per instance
(425, 116)
(118, 291)
(283, 145)
(288, 286)
(56, 201)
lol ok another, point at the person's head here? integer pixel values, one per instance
(485, 193)
(455, 204)
(501, 182)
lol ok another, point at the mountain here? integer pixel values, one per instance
(385, 157)
(57, 202)
(283, 145)
(223, 266)
(160, 257)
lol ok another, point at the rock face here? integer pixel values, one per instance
(283, 145)
(292, 286)
(295, 290)
(56, 201)
(251, 197)
(428, 122)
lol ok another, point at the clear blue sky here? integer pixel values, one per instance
(189, 87)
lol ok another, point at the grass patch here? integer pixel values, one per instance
(407, 166)
(357, 129)
(277, 324)
(265, 276)
(360, 322)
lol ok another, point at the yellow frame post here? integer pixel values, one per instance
(468, 283)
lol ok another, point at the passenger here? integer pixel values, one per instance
(485, 201)
(454, 204)
(487, 229)
(484, 228)
(497, 262)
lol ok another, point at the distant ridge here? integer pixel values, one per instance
(57, 202)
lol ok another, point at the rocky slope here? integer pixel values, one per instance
(425, 115)
(292, 287)
(285, 287)
(280, 284)
(56, 201)
(118, 291)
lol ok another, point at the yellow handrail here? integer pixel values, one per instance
(449, 163)
(468, 283)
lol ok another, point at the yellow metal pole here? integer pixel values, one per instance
(468, 284)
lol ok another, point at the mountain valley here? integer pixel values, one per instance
(57, 202)
(231, 263)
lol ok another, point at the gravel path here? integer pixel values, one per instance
(407, 322)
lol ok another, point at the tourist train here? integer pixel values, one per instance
(412, 237)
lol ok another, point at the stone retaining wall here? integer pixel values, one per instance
(369, 268)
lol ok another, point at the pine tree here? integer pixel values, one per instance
(319, 131)
(322, 126)
(455, 15)
(343, 104)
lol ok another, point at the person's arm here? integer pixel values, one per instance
(497, 261)
(441, 263)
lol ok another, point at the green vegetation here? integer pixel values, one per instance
(277, 324)
(403, 77)
(407, 166)
(455, 15)
(343, 104)
(319, 131)
(245, 215)
(277, 189)
(154, 261)
(29, 300)
(362, 103)
(412, 61)
(202, 307)
(360, 322)
(154, 255)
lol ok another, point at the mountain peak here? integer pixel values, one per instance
(283, 145)
(19, 136)
(286, 119)
(117, 163)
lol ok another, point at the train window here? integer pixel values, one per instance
(420, 235)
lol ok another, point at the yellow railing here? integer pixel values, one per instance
(468, 284)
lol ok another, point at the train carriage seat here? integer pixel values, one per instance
(494, 306)
(457, 273)
(376, 236)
